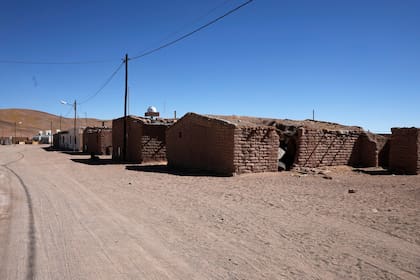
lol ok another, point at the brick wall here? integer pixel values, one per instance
(97, 141)
(384, 144)
(105, 142)
(153, 143)
(90, 142)
(134, 132)
(117, 138)
(145, 141)
(200, 144)
(365, 151)
(418, 152)
(325, 148)
(255, 149)
(404, 156)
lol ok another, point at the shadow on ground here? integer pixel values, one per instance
(52, 149)
(160, 168)
(97, 161)
(373, 171)
(49, 149)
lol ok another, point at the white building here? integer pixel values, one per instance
(44, 137)
(67, 140)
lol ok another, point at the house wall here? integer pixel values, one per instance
(105, 142)
(98, 141)
(365, 151)
(134, 132)
(153, 142)
(418, 152)
(325, 148)
(145, 142)
(384, 144)
(117, 139)
(200, 144)
(255, 149)
(66, 140)
(404, 155)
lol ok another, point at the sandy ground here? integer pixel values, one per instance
(63, 218)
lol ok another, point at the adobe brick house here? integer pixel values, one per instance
(404, 155)
(97, 140)
(312, 143)
(213, 144)
(145, 139)
(324, 147)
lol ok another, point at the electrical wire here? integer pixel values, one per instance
(194, 21)
(103, 85)
(192, 32)
(55, 62)
(68, 112)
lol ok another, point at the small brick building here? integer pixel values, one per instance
(97, 140)
(145, 139)
(404, 154)
(207, 143)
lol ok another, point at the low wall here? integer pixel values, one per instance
(153, 143)
(404, 156)
(326, 148)
(255, 149)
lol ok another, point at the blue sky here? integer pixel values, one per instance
(353, 62)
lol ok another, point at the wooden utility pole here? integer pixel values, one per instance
(50, 137)
(75, 110)
(125, 108)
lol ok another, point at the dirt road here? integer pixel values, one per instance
(64, 218)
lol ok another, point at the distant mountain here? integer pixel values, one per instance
(29, 122)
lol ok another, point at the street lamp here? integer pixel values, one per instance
(75, 110)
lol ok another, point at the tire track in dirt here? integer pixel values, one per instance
(31, 249)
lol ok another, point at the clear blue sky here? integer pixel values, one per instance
(353, 62)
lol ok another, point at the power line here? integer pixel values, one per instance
(183, 27)
(192, 32)
(68, 112)
(103, 85)
(55, 62)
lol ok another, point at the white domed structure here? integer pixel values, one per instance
(151, 109)
(151, 112)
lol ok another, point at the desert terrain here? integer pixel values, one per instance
(27, 123)
(63, 216)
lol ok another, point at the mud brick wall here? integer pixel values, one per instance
(90, 142)
(105, 142)
(97, 141)
(404, 155)
(326, 148)
(384, 146)
(56, 141)
(198, 144)
(365, 151)
(255, 149)
(153, 143)
(134, 133)
(117, 138)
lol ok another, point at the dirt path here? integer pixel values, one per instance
(66, 219)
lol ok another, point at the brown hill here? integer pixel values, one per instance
(29, 122)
